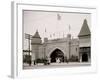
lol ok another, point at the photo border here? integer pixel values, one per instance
(17, 34)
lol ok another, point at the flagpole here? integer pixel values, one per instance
(58, 19)
(69, 29)
(45, 33)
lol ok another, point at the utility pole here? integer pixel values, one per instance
(28, 37)
(29, 44)
(69, 49)
(69, 42)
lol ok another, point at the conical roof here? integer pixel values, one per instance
(85, 31)
(36, 35)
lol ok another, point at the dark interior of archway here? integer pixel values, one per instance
(57, 53)
(84, 57)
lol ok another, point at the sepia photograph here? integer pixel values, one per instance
(54, 39)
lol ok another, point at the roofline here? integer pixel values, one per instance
(84, 35)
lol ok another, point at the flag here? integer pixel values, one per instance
(45, 30)
(58, 17)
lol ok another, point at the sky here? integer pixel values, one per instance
(54, 24)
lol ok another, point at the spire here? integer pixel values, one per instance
(36, 35)
(36, 30)
(85, 29)
(45, 34)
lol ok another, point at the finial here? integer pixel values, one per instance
(85, 21)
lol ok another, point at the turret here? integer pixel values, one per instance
(35, 42)
(85, 42)
(85, 31)
(36, 39)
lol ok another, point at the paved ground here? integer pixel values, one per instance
(55, 65)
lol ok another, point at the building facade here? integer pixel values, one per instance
(56, 48)
(66, 48)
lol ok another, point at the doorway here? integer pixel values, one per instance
(84, 57)
(57, 53)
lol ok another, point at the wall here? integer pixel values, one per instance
(5, 41)
(60, 45)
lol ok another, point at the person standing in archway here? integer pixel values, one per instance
(57, 60)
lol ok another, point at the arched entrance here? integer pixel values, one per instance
(84, 57)
(57, 53)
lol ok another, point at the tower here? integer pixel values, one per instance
(85, 42)
(35, 42)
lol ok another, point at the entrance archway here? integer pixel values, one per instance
(57, 53)
(84, 57)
